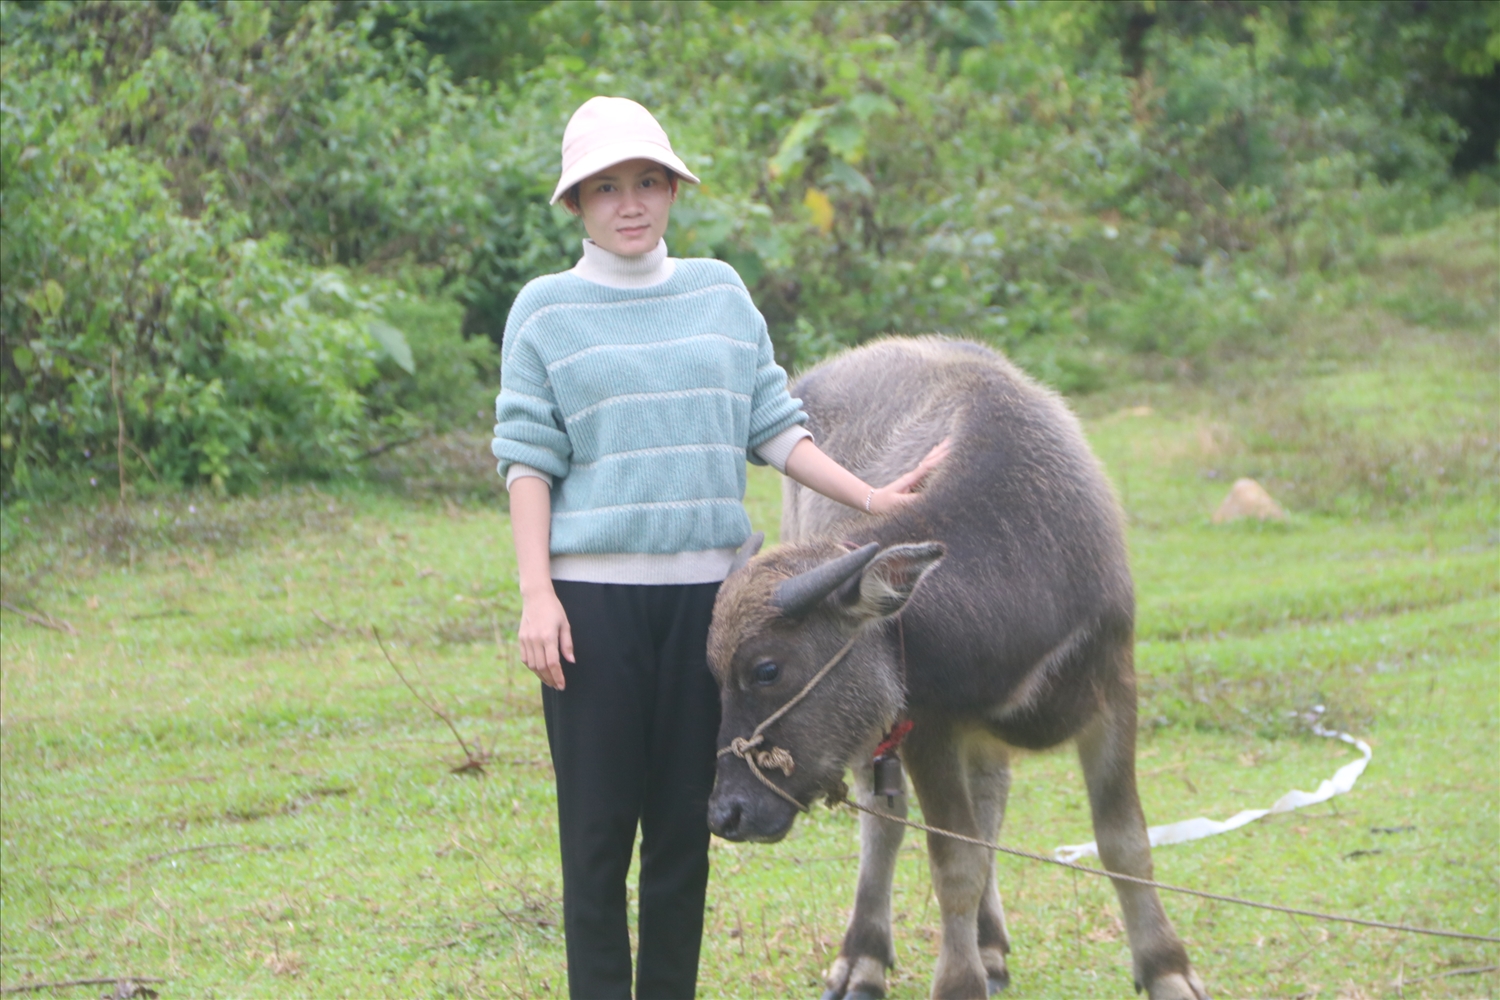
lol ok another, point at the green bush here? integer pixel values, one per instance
(452, 381)
(996, 171)
(151, 315)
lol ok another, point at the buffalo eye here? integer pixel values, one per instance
(765, 673)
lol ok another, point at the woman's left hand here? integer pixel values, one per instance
(904, 490)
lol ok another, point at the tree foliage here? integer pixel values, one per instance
(247, 239)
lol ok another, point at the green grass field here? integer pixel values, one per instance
(217, 779)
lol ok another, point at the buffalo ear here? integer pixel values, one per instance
(888, 582)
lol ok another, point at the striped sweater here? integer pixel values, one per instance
(641, 405)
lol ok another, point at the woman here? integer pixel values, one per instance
(633, 389)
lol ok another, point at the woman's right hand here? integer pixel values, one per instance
(545, 637)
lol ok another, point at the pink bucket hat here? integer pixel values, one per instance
(609, 130)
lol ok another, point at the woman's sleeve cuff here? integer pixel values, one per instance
(775, 451)
(519, 470)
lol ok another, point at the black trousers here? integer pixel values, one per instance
(632, 739)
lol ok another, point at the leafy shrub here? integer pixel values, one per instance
(452, 381)
(879, 168)
(219, 358)
(146, 315)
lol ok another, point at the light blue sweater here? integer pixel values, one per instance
(643, 404)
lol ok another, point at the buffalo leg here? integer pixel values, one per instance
(989, 785)
(859, 970)
(958, 869)
(1106, 748)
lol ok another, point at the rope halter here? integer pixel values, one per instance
(774, 758)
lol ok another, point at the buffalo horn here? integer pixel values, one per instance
(746, 552)
(797, 595)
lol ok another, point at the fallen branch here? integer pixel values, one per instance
(473, 764)
(153, 858)
(169, 613)
(1474, 971)
(44, 620)
(527, 900)
(65, 983)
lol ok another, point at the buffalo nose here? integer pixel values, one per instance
(724, 819)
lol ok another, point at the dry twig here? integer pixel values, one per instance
(44, 620)
(473, 763)
(64, 984)
(153, 858)
(1474, 971)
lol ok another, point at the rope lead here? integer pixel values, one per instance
(1120, 877)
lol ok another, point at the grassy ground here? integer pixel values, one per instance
(218, 779)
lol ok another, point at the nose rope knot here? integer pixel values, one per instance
(774, 759)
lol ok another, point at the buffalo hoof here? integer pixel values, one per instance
(864, 979)
(858, 993)
(1176, 986)
(995, 984)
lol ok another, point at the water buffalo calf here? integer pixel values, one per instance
(1020, 635)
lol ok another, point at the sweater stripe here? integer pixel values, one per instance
(648, 505)
(640, 397)
(578, 307)
(731, 449)
(625, 348)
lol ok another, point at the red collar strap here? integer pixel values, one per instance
(893, 738)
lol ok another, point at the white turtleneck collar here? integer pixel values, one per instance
(603, 267)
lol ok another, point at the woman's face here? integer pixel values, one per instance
(625, 207)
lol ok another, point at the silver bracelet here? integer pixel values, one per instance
(868, 496)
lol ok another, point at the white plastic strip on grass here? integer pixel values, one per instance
(1196, 829)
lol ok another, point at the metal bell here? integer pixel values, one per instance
(888, 779)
